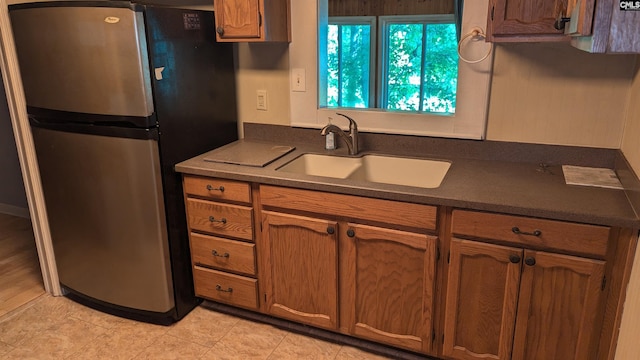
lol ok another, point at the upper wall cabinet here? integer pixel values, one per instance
(525, 20)
(605, 26)
(252, 20)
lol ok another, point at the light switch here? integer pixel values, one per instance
(261, 100)
(298, 81)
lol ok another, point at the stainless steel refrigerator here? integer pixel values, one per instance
(117, 94)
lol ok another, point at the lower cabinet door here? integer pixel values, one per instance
(391, 279)
(481, 300)
(506, 303)
(301, 261)
(559, 307)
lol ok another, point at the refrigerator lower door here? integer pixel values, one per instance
(106, 214)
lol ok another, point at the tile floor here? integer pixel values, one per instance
(58, 328)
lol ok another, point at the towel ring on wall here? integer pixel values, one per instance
(475, 34)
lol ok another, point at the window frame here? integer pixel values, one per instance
(309, 19)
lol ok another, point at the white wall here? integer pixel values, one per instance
(631, 139)
(556, 94)
(263, 67)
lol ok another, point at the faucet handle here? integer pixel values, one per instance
(352, 123)
(353, 134)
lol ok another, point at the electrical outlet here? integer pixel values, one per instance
(261, 100)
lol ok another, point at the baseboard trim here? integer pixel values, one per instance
(14, 210)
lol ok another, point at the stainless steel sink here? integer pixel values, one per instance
(424, 173)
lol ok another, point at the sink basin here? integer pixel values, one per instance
(402, 171)
(394, 170)
(322, 165)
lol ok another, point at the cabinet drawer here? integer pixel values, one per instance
(220, 219)
(590, 240)
(232, 289)
(217, 189)
(236, 256)
(354, 207)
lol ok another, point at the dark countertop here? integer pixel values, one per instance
(487, 176)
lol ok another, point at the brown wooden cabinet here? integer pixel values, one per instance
(525, 20)
(605, 26)
(221, 236)
(506, 287)
(391, 282)
(252, 20)
(301, 259)
(370, 262)
(550, 304)
(602, 26)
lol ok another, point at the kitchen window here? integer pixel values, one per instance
(308, 106)
(417, 61)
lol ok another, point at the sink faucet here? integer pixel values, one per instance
(351, 139)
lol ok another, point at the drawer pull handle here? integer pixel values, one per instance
(219, 288)
(536, 233)
(213, 220)
(216, 253)
(211, 188)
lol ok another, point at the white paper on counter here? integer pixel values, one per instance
(589, 176)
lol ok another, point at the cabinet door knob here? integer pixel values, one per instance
(530, 261)
(514, 259)
(330, 230)
(220, 30)
(351, 233)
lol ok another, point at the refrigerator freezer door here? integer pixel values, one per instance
(84, 59)
(106, 215)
